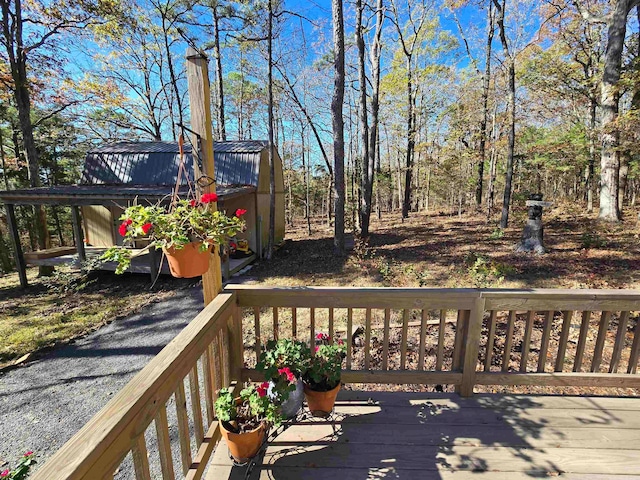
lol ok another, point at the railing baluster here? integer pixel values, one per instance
(349, 337)
(224, 357)
(441, 332)
(312, 330)
(619, 345)
(605, 318)
(331, 328)
(164, 444)
(294, 322)
(582, 340)
(196, 408)
(367, 339)
(140, 458)
(183, 427)
(405, 334)
(423, 334)
(216, 365)
(491, 337)
(256, 319)
(457, 342)
(635, 349)
(526, 341)
(208, 384)
(544, 344)
(508, 341)
(385, 342)
(275, 323)
(564, 337)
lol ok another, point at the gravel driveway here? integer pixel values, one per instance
(45, 402)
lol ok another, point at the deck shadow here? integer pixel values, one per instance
(407, 436)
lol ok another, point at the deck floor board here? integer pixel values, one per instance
(394, 435)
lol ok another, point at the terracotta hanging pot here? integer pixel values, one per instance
(321, 403)
(189, 261)
(244, 446)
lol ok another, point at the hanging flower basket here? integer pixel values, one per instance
(186, 231)
(189, 261)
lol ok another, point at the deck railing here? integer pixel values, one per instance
(461, 337)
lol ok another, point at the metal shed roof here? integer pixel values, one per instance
(156, 163)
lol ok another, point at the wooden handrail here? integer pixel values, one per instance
(101, 445)
(475, 308)
(210, 352)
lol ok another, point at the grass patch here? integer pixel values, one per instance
(44, 316)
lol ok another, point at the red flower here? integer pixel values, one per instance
(146, 227)
(291, 378)
(209, 197)
(262, 389)
(317, 348)
(193, 203)
(4, 473)
(123, 229)
(29, 453)
(128, 221)
(340, 342)
(240, 212)
(320, 336)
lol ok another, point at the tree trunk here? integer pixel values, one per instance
(363, 127)
(593, 104)
(486, 80)
(610, 95)
(222, 131)
(17, 56)
(511, 111)
(338, 124)
(272, 168)
(406, 204)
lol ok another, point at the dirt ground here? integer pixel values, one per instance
(426, 250)
(431, 250)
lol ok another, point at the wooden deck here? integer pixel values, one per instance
(444, 436)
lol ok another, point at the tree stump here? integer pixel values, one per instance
(532, 235)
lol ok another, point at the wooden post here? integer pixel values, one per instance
(472, 344)
(200, 105)
(17, 248)
(77, 231)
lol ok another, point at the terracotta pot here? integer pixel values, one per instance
(188, 262)
(244, 446)
(321, 403)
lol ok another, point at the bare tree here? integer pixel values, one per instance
(338, 125)
(409, 38)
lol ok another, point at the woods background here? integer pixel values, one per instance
(446, 106)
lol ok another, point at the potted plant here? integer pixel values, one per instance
(283, 363)
(322, 378)
(186, 233)
(245, 420)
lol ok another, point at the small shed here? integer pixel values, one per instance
(241, 174)
(117, 174)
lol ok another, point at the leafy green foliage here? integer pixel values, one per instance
(326, 365)
(21, 470)
(592, 240)
(253, 407)
(284, 353)
(484, 272)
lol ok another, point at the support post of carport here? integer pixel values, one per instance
(77, 231)
(17, 248)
